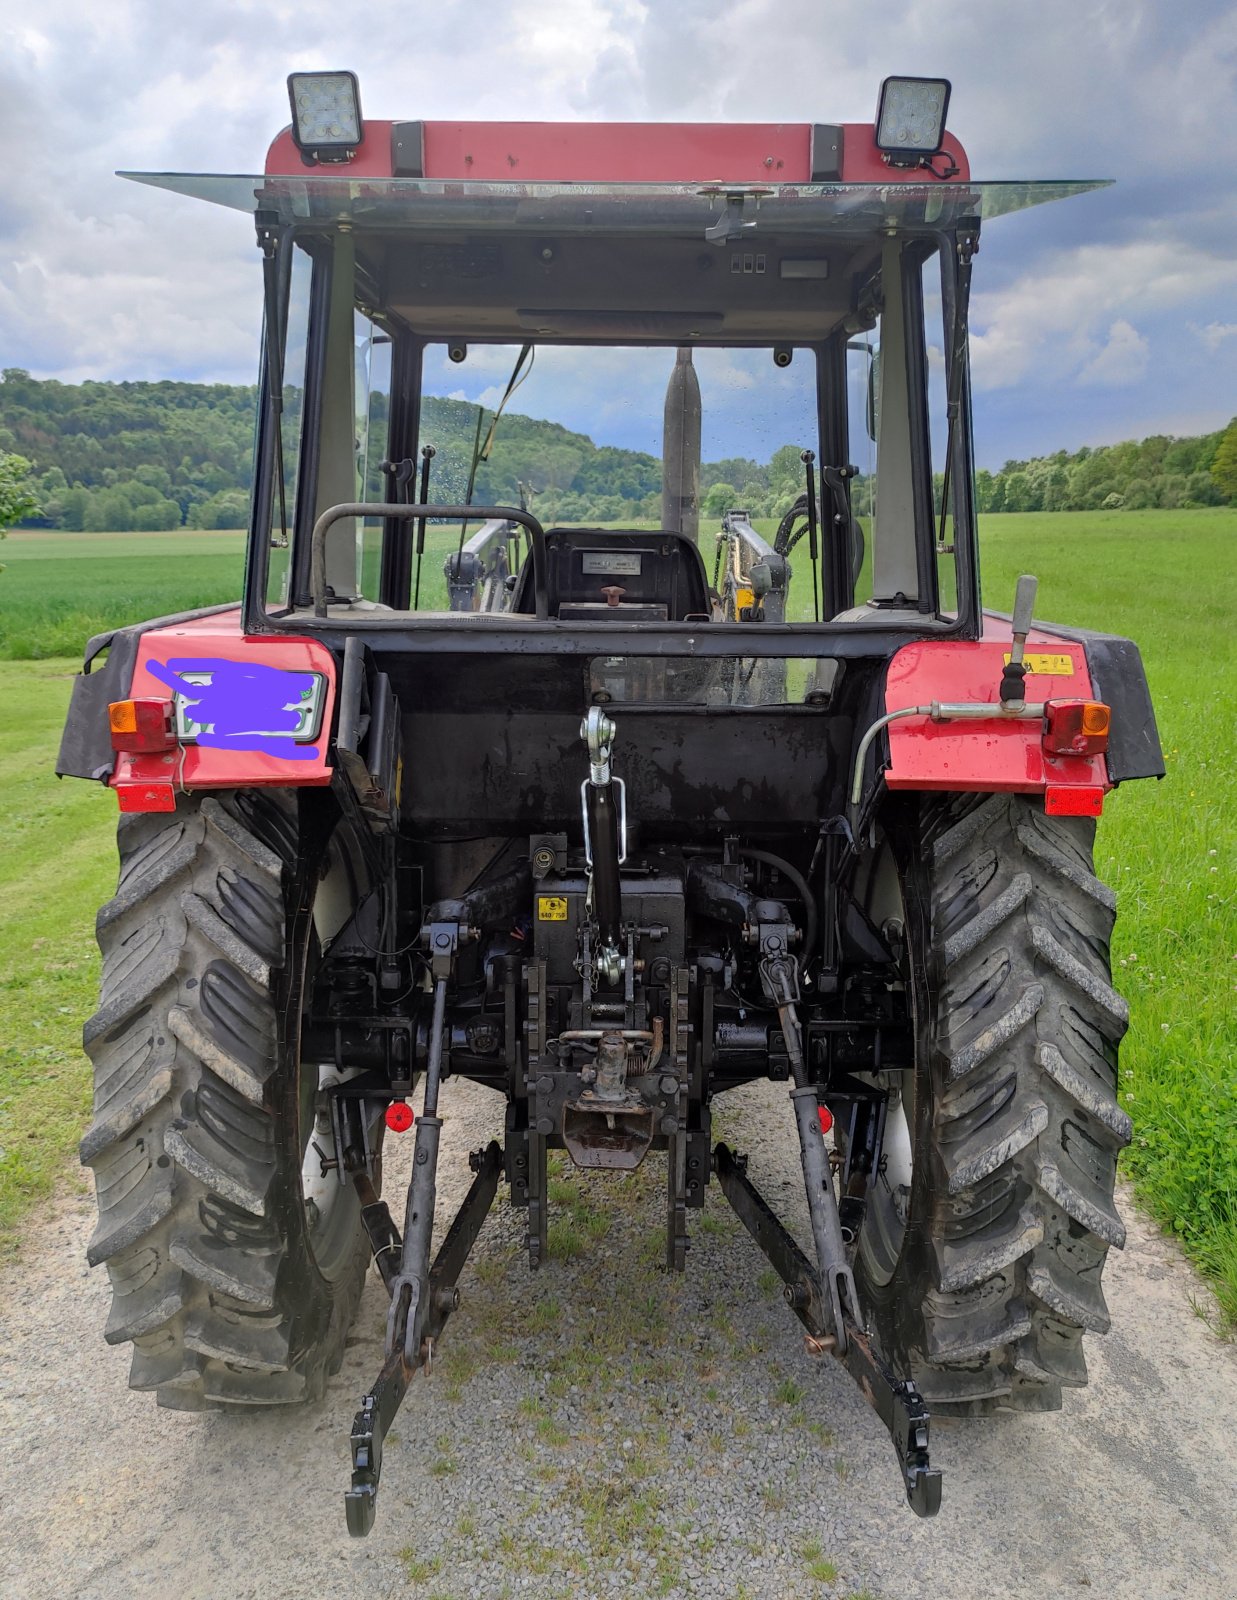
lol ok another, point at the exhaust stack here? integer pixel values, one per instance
(680, 450)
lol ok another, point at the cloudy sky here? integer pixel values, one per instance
(1100, 318)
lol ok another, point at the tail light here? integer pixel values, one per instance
(1076, 727)
(141, 726)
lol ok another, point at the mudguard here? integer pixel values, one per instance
(244, 702)
(1009, 757)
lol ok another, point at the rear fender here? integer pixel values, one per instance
(1009, 757)
(246, 747)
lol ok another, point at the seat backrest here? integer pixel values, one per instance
(653, 568)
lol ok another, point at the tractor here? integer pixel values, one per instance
(592, 803)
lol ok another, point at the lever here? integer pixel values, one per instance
(1012, 679)
(808, 458)
(427, 455)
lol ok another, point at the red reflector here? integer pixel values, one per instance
(1073, 800)
(146, 797)
(140, 725)
(399, 1116)
(826, 1118)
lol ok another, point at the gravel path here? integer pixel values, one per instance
(604, 1430)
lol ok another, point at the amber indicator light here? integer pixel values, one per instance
(140, 726)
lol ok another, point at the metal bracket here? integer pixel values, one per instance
(896, 1401)
(380, 1404)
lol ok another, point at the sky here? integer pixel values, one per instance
(1100, 318)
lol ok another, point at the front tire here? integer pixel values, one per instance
(220, 1281)
(1013, 1118)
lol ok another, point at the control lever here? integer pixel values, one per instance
(1013, 686)
(427, 455)
(808, 458)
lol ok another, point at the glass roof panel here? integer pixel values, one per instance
(654, 207)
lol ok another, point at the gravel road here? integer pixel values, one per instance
(604, 1430)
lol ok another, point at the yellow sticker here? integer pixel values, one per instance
(1046, 666)
(551, 908)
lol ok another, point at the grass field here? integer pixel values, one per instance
(1169, 580)
(59, 588)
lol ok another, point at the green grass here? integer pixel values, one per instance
(1166, 579)
(57, 867)
(59, 588)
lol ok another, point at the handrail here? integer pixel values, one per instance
(410, 513)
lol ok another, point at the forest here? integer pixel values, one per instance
(136, 456)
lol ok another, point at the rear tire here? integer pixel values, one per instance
(1015, 1123)
(226, 1292)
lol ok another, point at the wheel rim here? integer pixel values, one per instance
(330, 1207)
(889, 1192)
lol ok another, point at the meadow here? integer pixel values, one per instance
(1166, 579)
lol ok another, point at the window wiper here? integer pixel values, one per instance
(968, 244)
(481, 452)
(268, 243)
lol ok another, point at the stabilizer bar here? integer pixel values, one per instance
(896, 1401)
(384, 1398)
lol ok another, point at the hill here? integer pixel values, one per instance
(153, 456)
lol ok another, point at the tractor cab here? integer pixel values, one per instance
(784, 304)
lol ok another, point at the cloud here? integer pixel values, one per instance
(1123, 360)
(1053, 322)
(102, 279)
(1215, 334)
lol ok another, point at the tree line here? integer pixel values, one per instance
(149, 456)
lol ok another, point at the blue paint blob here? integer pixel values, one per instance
(248, 706)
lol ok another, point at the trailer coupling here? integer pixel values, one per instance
(897, 1402)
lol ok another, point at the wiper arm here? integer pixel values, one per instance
(268, 243)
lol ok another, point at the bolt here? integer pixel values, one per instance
(545, 1124)
(669, 1085)
(669, 1124)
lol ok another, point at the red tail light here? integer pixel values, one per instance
(1076, 727)
(141, 726)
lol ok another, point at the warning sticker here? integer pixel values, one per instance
(1046, 666)
(551, 908)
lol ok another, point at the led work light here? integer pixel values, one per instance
(910, 119)
(326, 114)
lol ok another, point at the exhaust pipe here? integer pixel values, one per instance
(680, 450)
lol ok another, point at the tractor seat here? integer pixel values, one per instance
(623, 575)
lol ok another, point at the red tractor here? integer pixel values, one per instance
(595, 815)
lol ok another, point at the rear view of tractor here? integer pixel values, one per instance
(610, 813)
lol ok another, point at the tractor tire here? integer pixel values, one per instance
(221, 1282)
(1014, 1128)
